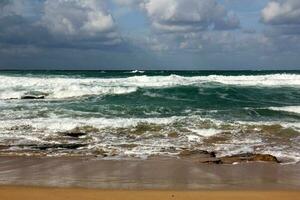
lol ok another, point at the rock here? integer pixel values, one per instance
(211, 161)
(210, 157)
(100, 152)
(80, 131)
(128, 146)
(54, 146)
(2, 147)
(74, 134)
(248, 157)
(173, 135)
(199, 156)
(186, 153)
(33, 97)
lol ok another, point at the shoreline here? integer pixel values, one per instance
(157, 173)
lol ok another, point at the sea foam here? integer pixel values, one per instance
(291, 109)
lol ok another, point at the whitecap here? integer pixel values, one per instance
(64, 87)
(291, 109)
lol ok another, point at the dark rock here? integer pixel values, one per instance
(54, 146)
(210, 157)
(173, 135)
(33, 97)
(80, 131)
(2, 147)
(188, 153)
(248, 157)
(128, 146)
(101, 152)
(199, 156)
(75, 134)
(212, 161)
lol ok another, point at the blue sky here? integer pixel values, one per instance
(150, 34)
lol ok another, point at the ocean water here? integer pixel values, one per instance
(137, 114)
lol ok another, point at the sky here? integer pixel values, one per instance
(150, 34)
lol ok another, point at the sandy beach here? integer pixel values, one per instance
(29, 193)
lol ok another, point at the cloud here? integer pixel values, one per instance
(189, 15)
(128, 2)
(286, 12)
(77, 17)
(58, 24)
(282, 18)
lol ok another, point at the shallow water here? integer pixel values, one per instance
(123, 113)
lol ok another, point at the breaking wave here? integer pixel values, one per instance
(14, 87)
(291, 109)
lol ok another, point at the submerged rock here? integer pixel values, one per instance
(101, 152)
(173, 135)
(210, 157)
(74, 134)
(33, 97)
(189, 153)
(80, 131)
(248, 157)
(200, 156)
(54, 146)
(2, 147)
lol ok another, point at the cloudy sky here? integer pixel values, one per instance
(150, 34)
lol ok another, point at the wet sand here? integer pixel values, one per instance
(157, 178)
(153, 174)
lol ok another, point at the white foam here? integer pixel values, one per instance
(64, 87)
(292, 109)
(205, 132)
(64, 124)
(136, 71)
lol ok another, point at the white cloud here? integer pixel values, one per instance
(188, 15)
(282, 12)
(283, 20)
(77, 17)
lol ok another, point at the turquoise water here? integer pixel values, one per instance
(137, 113)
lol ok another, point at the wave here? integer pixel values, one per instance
(152, 136)
(64, 87)
(136, 71)
(291, 109)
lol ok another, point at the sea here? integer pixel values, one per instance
(138, 114)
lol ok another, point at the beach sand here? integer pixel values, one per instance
(155, 178)
(30, 193)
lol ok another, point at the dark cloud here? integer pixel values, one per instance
(62, 24)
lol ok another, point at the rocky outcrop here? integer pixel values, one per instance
(211, 158)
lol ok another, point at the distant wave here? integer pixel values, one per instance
(64, 87)
(291, 109)
(136, 71)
